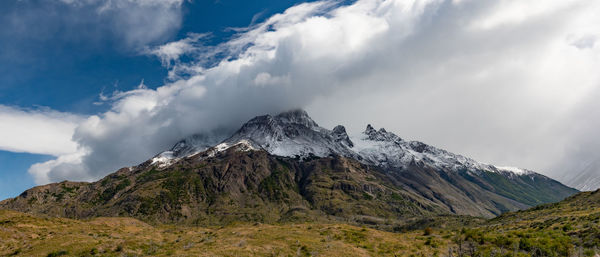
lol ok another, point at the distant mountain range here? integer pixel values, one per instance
(288, 168)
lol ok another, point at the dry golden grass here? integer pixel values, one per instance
(26, 235)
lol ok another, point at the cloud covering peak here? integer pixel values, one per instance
(476, 77)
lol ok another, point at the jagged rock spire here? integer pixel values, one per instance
(339, 135)
(381, 135)
(369, 130)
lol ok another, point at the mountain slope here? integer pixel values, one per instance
(232, 185)
(285, 168)
(567, 228)
(295, 134)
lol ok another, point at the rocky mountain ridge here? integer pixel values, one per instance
(295, 134)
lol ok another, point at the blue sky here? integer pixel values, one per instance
(510, 83)
(72, 70)
(13, 172)
(67, 68)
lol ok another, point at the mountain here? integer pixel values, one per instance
(588, 179)
(295, 134)
(287, 168)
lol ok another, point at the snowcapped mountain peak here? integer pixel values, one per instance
(295, 134)
(292, 134)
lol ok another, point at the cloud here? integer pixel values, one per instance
(511, 13)
(499, 81)
(587, 41)
(265, 79)
(127, 24)
(38, 131)
(67, 166)
(170, 53)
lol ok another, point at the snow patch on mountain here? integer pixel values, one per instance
(167, 158)
(515, 170)
(242, 146)
(164, 159)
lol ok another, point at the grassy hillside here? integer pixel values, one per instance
(568, 228)
(27, 235)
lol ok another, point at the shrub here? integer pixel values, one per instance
(427, 231)
(57, 253)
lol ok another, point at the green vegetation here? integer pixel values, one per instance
(110, 192)
(568, 228)
(57, 253)
(277, 183)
